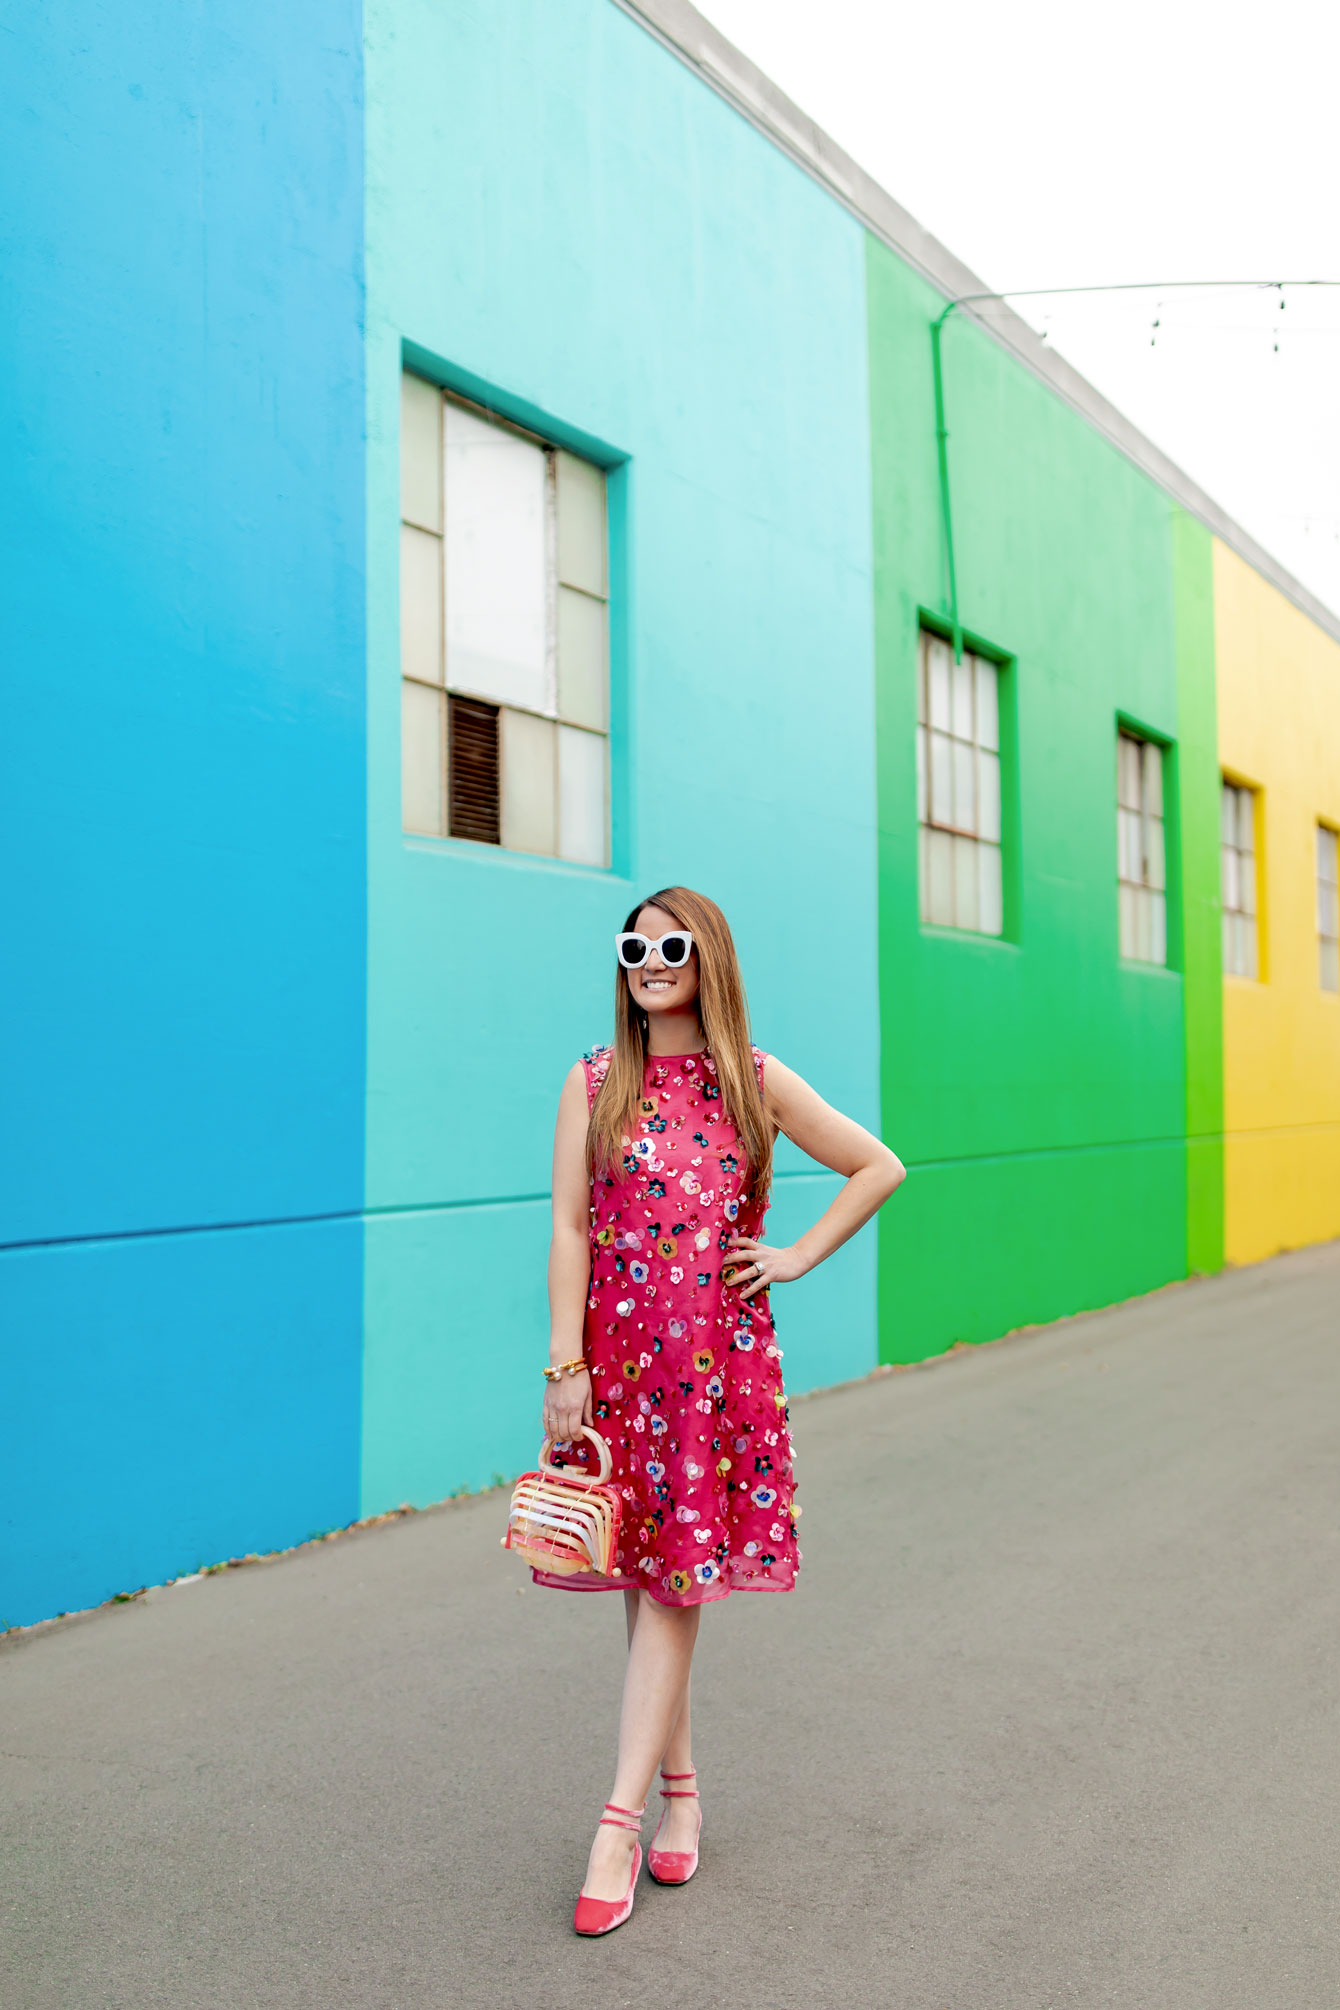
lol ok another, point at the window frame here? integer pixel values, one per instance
(1135, 731)
(554, 711)
(931, 629)
(1324, 938)
(1229, 780)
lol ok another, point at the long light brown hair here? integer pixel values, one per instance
(724, 1016)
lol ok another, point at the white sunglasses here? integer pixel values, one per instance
(673, 949)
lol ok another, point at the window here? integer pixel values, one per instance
(1237, 878)
(1328, 906)
(958, 788)
(1141, 870)
(503, 634)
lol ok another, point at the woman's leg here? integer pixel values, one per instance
(655, 1694)
(679, 1823)
(678, 1754)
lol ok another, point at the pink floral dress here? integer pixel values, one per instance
(686, 1378)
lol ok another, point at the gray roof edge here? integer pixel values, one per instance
(685, 32)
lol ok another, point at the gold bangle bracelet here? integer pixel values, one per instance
(564, 1367)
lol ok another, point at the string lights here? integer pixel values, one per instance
(1156, 286)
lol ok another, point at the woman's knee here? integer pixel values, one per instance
(671, 1622)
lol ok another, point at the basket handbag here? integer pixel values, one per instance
(565, 1521)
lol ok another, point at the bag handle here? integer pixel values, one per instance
(566, 1472)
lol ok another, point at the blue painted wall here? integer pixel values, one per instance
(173, 1400)
(559, 211)
(181, 408)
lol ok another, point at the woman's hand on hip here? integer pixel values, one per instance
(567, 1406)
(752, 1266)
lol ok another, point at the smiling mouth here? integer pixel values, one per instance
(658, 984)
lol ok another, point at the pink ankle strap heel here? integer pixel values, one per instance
(595, 1916)
(675, 1866)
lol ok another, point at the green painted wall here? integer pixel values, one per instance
(1037, 1087)
(1198, 808)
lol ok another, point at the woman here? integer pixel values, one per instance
(662, 1334)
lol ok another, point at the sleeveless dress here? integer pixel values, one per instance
(686, 1378)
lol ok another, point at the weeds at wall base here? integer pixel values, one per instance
(204, 1570)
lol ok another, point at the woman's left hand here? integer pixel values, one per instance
(751, 1266)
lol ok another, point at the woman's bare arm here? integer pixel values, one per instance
(871, 1170)
(567, 1403)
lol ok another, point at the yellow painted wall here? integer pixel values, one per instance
(1279, 729)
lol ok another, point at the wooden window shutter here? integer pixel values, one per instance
(473, 760)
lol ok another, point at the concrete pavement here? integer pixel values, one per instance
(1051, 1721)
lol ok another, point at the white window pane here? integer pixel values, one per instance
(921, 680)
(1153, 779)
(961, 686)
(583, 818)
(582, 676)
(421, 758)
(1328, 910)
(420, 605)
(922, 792)
(495, 562)
(1246, 820)
(965, 785)
(528, 757)
(1330, 966)
(1158, 927)
(1139, 843)
(581, 524)
(1128, 845)
(939, 663)
(1128, 930)
(1128, 772)
(942, 794)
(940, 872)
(1228, 814)
(1247, 875)
(1141, 914)
(965, 882)
(420, 453)
(990, 912)
(1328, 854)
(988, 704)
(1155, 869)
(988, 796)
(1230, 884)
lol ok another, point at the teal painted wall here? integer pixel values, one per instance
(559, 211)
(1036, 1086)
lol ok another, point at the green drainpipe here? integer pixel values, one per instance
(942, 448)
(1033, 292)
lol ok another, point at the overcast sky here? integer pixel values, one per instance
(1050, 144)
